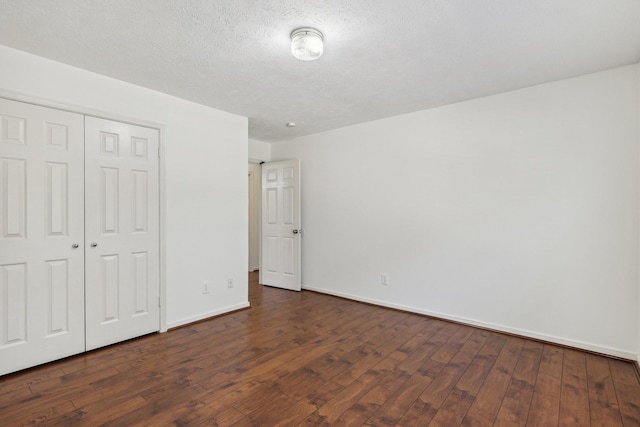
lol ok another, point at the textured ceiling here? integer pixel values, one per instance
(382, 57)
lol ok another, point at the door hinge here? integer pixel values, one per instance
(159, 302)
(158, 152)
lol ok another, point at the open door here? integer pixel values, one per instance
(281, 232)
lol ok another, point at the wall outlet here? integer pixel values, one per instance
(384, 279)
(229, 283)
(205, 287)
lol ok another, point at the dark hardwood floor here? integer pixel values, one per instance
(315, 360)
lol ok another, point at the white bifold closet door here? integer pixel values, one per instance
(79, 233)
(122, 231)
(41, 235)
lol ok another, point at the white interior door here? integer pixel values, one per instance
(41, 235)
(122, 231)
(281, 230)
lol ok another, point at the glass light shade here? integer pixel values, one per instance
(306, 44)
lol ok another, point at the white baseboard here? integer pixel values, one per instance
(486, 325)
(203, 316)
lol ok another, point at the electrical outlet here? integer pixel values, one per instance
(205, 287)
(384, 279)
(229, 283)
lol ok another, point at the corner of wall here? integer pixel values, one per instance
(638, 201)
(456, 158)
(259, 151)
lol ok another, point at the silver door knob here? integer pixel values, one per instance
(296, 231)
(94, 244)
(75, 246)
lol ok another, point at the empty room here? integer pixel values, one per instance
(173, 249)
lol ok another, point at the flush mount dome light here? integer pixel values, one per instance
(306, 44)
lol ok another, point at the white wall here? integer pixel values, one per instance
(205, 188)
(259, 151)
(517, 212)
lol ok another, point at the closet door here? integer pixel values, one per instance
(41, 235)
(122, 231)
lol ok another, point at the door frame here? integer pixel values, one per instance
(255, 203)
(20, 97)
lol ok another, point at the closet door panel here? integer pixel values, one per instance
(41, 222)
(122, 232)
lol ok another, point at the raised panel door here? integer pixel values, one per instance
(122, 231)
(281, 225)
(41, 235)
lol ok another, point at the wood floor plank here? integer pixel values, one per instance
(603, 402)
(308, 359)
(552, 359)
(58, 397)
(623, 372)
(114, 407)
(395, 406)
(628, 401)
(574, 401)
(456, 405)
(476, 374)
(423, 368)
(545, 404)
(453, 409)
(517, 399)
(40, 414)
(438, 390)
(269, 405)
(348, 397)
(444, 377)
(485, 407)
(321, 395)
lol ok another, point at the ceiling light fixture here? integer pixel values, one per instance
(291, 124)
(307, 44)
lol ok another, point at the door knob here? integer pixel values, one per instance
(75, 246)
(296, 231)
(94, 244)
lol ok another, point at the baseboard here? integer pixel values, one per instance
(621, 354)
(207, 315)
